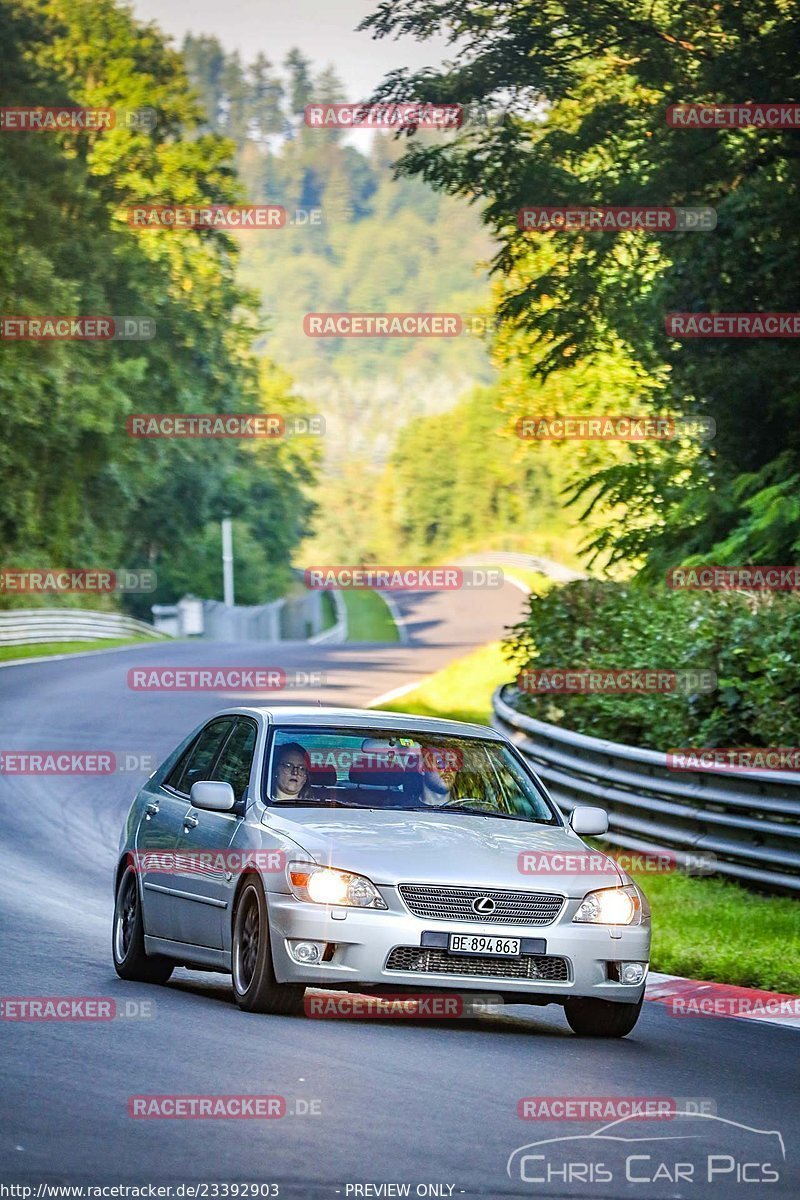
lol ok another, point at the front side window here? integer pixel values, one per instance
(424, 772)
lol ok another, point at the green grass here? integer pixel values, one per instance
(34, 650)
(368, 618)
(703, 927)
(328, 611)
(462, 690)
(710, 928)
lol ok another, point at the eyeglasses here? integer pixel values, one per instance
(292, 768)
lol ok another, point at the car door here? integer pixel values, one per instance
(161, 829)
(204, 892)
(156, 840)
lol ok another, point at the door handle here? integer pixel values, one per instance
(151, 810)
(190, 821)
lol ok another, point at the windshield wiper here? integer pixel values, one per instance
(487, 812)
(308, 804)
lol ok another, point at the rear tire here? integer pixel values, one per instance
(127, 937)
(601, 1018)
(254, 984)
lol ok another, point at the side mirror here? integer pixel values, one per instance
(213, 795)
(587, 821)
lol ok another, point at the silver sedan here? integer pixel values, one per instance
(374, 853)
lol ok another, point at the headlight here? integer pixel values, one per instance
(611, 906)
(326, 885)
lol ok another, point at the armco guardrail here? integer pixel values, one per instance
(510, 558)
(750, 822)
(20, 626)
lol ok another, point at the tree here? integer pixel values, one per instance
(300, 90)
(580, 94)
(78, 490)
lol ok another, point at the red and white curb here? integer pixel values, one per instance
(694, 998)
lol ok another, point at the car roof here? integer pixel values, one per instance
(359, 718)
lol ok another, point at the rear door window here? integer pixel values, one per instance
(199, 761)
(236, 760)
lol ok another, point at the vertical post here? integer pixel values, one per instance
(227, 561)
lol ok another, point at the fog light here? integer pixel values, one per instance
(307, 952)
(631, 972)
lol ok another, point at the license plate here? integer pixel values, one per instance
(496, 947)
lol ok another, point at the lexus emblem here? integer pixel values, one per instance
(483, 905)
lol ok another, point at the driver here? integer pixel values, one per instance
(438, 777)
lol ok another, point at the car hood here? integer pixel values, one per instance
(450, 848)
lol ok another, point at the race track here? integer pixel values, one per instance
(391, 1102)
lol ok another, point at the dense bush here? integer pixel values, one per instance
(751, 641)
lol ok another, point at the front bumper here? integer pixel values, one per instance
(363, 940)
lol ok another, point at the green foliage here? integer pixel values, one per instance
(358, 240)
(461, 691)
(76, 489)
(752, 644)
(464, 481)
(578, 95)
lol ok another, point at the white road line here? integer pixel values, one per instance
(394, 693)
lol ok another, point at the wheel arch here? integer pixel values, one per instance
(125, 861)
(244, 878)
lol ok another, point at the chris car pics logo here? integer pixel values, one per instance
(698, 1150)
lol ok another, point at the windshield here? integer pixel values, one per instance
(310, 766)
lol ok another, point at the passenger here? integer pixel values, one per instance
(290, 775)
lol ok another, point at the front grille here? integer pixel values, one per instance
(455, 904)
(439, 962)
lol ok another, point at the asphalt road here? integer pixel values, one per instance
(427, 1106)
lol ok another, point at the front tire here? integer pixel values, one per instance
(127, 937)
(601, 1018)
(254, 984)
